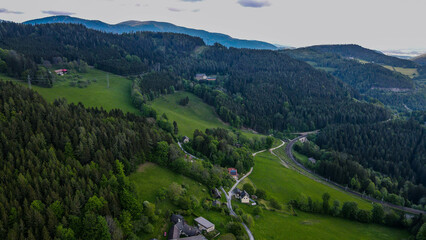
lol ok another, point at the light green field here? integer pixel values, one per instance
(410, 72)
(150, 178)
(284, 184)
(195, 115)
(277, 226)
(95, 95)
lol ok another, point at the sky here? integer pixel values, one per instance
(377, 24)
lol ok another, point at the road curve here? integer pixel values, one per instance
(228, 195)
(289, 152)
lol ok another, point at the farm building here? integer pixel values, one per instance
(200, 76)
(233, 172)
(204, 224)
(181, 228)
(61, 72)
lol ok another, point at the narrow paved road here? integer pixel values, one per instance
(187, 153)
(310, 174)
(229, 194)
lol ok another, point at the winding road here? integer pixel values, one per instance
(229, 194)
(303, 170)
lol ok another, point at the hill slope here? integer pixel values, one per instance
(152, 26)
(390, 87)
(420, 59)
(358, 52)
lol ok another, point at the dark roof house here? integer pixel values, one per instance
(180, 228)
(175, 218)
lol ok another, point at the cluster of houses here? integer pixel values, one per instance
(202, 76)
(181, 230)
(244, 197)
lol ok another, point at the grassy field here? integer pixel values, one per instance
(195, 115)
(284, 184)
(410, 72)
(149, 178)
(95, 95)
(276, 226)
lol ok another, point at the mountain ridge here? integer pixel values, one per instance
(154, 26)
(359, 52)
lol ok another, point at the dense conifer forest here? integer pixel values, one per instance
(372, 80)
(64, 168)
(358, 52)
(385, 160)
(261, 89)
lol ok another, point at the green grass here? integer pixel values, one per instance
(410, 72)
(150, 178)
(196, 115)
(117, 96)
(274, 225)
(286, 184)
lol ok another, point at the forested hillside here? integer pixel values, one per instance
(152, 26)
(362, 77)
(64, 166)
(358, 52)
(260, 89)
(420, 59)
(389, 87)
(121, 54)
(396, 149)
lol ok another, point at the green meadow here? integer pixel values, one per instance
(149, 178)
(96, 94)
(285, 184)
(276, 226)
(195, 115)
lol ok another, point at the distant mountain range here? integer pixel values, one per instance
(152, 26)
(358, 52)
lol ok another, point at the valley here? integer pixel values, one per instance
(102, 146)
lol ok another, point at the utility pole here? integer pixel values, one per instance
(29, 81)
(107, 80)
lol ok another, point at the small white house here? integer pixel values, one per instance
(303, 140)
(185, 139)
(245, 197)
(204, 224)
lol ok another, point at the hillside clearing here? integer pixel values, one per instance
(96, 94)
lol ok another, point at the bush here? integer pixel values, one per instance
(249, 188)
(350, 210)
(363, 216)
(274, 204)
(260, 193)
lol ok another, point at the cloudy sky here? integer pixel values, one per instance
(379, 24)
